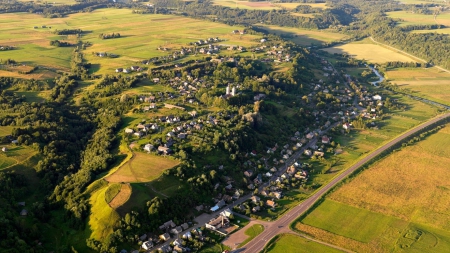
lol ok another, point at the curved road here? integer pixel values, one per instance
(282, 225)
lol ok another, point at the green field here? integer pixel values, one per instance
(409, 18)
(14, 155)
(252, 232)
(304, 37)
(292, 243)
(348, 221)
(141, 35)
(5, 130)
(112, 191)
(429, 83)
(398, 205)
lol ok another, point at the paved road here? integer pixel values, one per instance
(281, 225)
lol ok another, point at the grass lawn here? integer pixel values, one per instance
(292, 243)
(142, 168)
(304, 37)
(429, 83)
(369, 52)
(398, 204)
(252, 232)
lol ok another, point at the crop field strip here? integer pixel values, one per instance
(399, 202)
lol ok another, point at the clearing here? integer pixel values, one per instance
(142, 168)
(15, 155)
(121, 197)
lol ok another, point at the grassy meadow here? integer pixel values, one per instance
(429, 83)
(15, 155)
(142, 168)
(264, 5)
(304, 37)
(410, 18)
(252, 232)
(141, 35)
(368, 51)
(293, 243)
(398, 205)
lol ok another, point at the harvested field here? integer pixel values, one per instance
(303, 37)
(142, 168)
(122, 197)
(370, 52)
(400, 203)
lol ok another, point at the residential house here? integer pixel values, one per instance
(165, 248)
(248, 173)
(377, 97)
(346, 126)
(148, 147)
(217, 223)
(119, 70)
(319, 153)
(129, 131)
(147, 245)
(184, 226)
(255, 199)
(258, 179)
(264, 193)
(277, 195)
(164, 237)
(271, 203)
(251, 187)
(182, 135)
(256, 209)
(291, 170)
(308, 152)
(325, 139)
(24, 212)
(176, 230)
(310, 135)
(227, 213)
(164, 150)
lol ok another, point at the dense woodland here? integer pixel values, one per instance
(75, 142)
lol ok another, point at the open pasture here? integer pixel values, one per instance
(14, 155)
(369, 52)
(142, 168)
(141, 35)
(292, 243)
(264, 5)
(304, 37)
(398, 204)
(429, 83)
(409, 18)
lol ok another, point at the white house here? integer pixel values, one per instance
(148, 147)
(377, 97)
(147, 245)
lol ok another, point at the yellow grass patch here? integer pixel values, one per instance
(122, 197)
(370, 52)
(412, 184)
(142, 168)
(102, 218)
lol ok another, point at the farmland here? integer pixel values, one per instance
(429, 83)
(304, 37)
(410, 18)
(135, 44)
(369, 52)
(264, 5)
(14, 155)
(292, 243)
(397, 204)
(142, 168)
